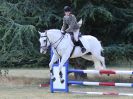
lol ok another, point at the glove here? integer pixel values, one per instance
(63, 32)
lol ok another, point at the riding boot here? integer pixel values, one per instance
(77, 43)
(82, 47)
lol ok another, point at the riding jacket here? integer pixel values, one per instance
(69, 24)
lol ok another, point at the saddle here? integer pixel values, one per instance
(73, 40)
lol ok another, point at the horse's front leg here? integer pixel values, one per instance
(53, 60)
(63, 60)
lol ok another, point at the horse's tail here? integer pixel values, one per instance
(102, 49)
(101, 46)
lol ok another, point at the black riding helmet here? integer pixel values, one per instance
(67, 9)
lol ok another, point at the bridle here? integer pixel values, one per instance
(44, 41)
(51, 44)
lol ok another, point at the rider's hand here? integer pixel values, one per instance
(63, 32)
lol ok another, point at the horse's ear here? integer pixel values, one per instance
(80, 23)
(39, 32)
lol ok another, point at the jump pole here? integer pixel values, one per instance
(102, 72)
(103, 93)
(100, 83)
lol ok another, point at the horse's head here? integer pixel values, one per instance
(44, 42)
(79, 24)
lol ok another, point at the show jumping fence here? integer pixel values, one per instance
(57, 86)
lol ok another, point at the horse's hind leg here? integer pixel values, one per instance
(101, 59)
(53, 60)
(97, 63)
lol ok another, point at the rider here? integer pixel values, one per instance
(70, 21)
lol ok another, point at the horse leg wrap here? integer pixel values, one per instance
(52, 75)
(60, 73)
(61, 77)
(51, 71)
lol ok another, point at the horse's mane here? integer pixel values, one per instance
(53, 30)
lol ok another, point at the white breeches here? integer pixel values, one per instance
(76, 35)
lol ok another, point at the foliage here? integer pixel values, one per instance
(118, 52)
(111, 21)
(18, 43)
(128, 33)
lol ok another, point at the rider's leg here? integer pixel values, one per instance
(76, 34)
(72, 37)
(76, 37)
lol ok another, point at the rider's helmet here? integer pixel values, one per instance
(67, 9)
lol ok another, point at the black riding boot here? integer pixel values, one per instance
(77, 43)
(82, 47)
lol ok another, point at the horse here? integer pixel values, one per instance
(62, 47)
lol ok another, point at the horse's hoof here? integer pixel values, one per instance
(62, 81)
(53, 79)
